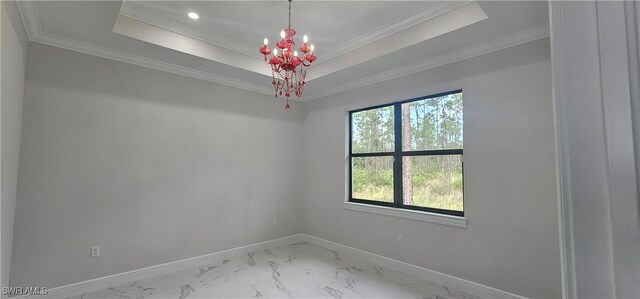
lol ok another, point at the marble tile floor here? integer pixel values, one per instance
(299, 270)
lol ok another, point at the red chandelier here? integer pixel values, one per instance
(287, 69)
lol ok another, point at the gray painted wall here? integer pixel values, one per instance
(13, 62)
(511, 241)
(153, 167)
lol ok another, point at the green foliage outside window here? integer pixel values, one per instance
(433, 181)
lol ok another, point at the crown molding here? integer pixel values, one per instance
(147, 23)
(504, 42)
(441, 24)
(109, 53)
(30, 18)
(129, 9)
(417, 17)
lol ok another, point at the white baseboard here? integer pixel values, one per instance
(467, 286)
(100, 283)
(423, 273)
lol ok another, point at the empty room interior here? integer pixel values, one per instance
(320, 149)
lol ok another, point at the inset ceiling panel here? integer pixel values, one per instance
(350, 36)
(231, 32)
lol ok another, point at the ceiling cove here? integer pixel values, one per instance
(421, 24)
(162, 24)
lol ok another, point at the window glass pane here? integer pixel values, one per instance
(432, 124)
(372, 178)
(372, 130)
(433, 181)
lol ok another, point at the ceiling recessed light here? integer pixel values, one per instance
(193, 15)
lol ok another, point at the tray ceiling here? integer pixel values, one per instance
(350, 32)
(358, 42)
(242, 25)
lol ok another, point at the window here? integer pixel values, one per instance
(408, 154)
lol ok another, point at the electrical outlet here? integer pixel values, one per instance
(275, 220)
(95, 251)
(400, 239)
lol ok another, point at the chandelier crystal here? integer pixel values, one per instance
(288, 69)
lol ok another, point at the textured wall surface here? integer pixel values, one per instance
(511, 240)
(155, 167)
(151, 166)
(13, 62)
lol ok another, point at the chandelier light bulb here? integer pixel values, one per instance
(295, 53)
(266, 41)
(305, 38)
(282, 34)
(312, 48)
(275, 52)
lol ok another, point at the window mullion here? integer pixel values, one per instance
(397, 155)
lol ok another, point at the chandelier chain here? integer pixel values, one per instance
(290, 14)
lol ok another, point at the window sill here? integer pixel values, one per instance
(408, 214)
